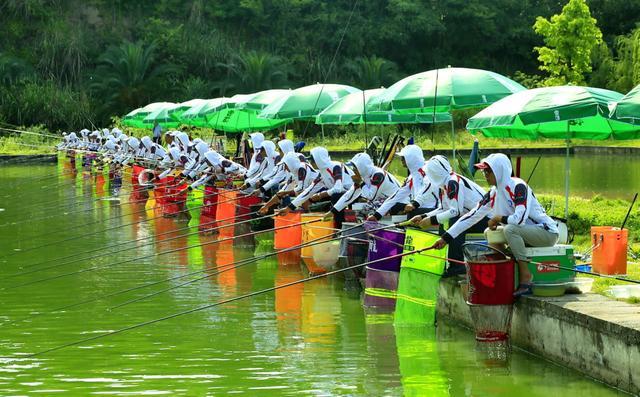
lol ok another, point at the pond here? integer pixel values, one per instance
(610, 176)
(312, 338)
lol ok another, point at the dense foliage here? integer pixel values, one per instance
(70, 63)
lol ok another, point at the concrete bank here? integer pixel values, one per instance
(590, 333)
(28, 158)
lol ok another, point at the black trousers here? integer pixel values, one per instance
(455, 247)
(399, 207)
(157, 139)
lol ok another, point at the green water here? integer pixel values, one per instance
(611, 176)
(308, 339)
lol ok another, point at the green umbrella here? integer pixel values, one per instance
(184, 106)
(240, 120)
(350, 110)
(628, 108)
(444, 90)
(306, 102)
(262, 99)
(197, 115)
(563, 112)
(163, 116)
(136, 117)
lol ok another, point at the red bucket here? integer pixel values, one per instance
(208, 211)
(491, 276)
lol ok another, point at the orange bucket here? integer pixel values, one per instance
(226, 212)
(610, 253)
(287, 237)
(313, 231)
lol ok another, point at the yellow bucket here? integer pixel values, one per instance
(313, 231)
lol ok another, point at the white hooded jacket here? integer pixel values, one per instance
(417, 189)
(306, 180)
(335, 176)
(512, 199)
(267, 165)
(377, 184)
(279, 173)
(458, 195)
(256, 140)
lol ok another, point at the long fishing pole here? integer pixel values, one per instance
(76, 237)
(211, 305)
(534, 169)
(230, 266)
(629, 211)
(244, 262)
(152, 255)
(142, 245)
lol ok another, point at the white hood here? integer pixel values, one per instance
(438, 170)
(183, 140)
(73, 136)
(286, 146)
(116, 132)
(214, 158)
(147, 142)
(501, 168)
(256, 139)
(292, 161)
(413, 157)
(321, 157)
(270, 149)
(133, 143)
(201, 148)
(363, 164)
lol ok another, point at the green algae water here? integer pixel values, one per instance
(306, 339)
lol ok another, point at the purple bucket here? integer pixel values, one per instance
(383, 244)
(380, 288)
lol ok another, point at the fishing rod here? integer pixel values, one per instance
(154, 255)
(137, 246)
(629, 211)
(75, 237)
(244, 262)
(533, 170)
(211, 305)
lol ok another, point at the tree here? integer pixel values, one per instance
(569, 37)
(254, 71)
(372, 72)
(626, 69)
(128, 77)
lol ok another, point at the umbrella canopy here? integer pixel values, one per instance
(136, 117)
(350, 109)
(197, 115)
(306, 102)
(563, 112)
(627, 109)
(445, 89)
(163, 116)
(241, 120)
(262, 99)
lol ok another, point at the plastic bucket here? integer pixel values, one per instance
(173, 197)
(491, 275)
(610, 253)
(287, 237)
(432, 261)
(350, 229)
(226, 208)
(357, 251)
(245, 205)
(383, 244)
(326, 254)
(380, 288)
(208, 211)
(314, 231)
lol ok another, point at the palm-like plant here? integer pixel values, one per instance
(14, 70)
(127, 76)
(372, 71)
(254, 71)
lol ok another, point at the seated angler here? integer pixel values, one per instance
(417, 195)
(458, 195)
(333, 175)
(301, 176)
(510, 202)
(270, 158)
(268, 184)
(369, 182)
(256, 158)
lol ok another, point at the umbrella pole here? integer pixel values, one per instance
(453, 142)
(567, 167)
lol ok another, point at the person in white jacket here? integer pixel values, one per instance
(301, 176)
(279, 173)
(369, 182)
(510, 202)
(458, 195)
(256, 159)
(418, 195)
